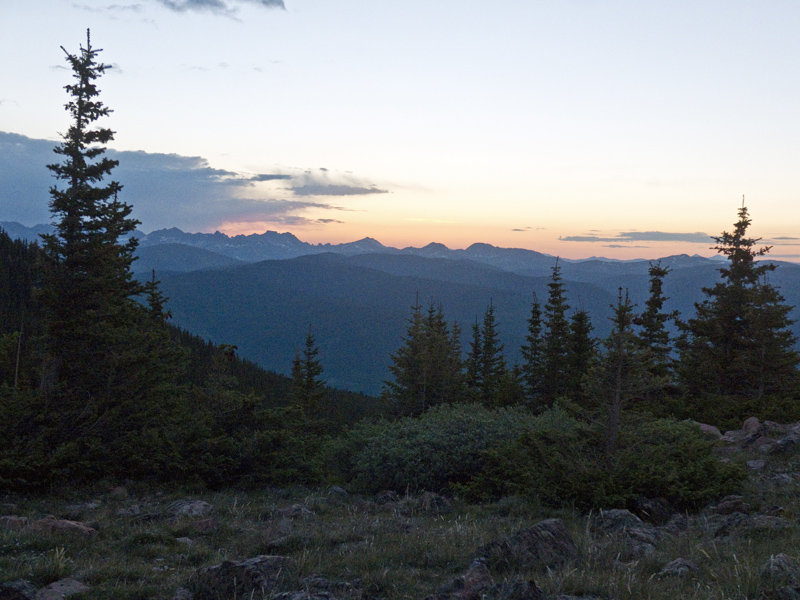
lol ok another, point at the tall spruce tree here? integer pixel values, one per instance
(532, 355)
(474, 374)
(581, 351)
(652, 321)
(89, 286)
(492, 363)
(623, 371)
(739, 345)
(308, 389)
(427, 369)
(112, 375)
(556, 339)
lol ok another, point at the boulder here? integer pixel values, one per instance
(469, 586)
(751, 426)
(780, 570)
(680, 567)
(260, 576)
(617, 521)
(61, 589)
(54, 525)
(730, 505)
(477, 584)
(709, 430)
(546, 544)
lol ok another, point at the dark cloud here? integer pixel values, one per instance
(643, 236)
(268, 177)
(329, 221)
(217, 6)
(622, 246)
(785, 238)
(166, 190)
(333, 190)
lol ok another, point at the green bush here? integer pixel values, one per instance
(674, 460)
(436, 452)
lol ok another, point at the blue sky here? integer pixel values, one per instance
(574, 127)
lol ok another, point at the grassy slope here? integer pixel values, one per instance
(396, 550)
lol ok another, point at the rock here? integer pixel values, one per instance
(189, 508)
(653, 510)
(183, 594)
(730, 505)
(336, 490)
(751, 426)
(546, 544)
(680, 567)
(260, 576)
(12, 522)
(17, 590)
(61, 589)
(723, 525)
(477, 584)
(709, 430)
(677, 524)
(54, 525)
(787, 443)
(469, 586)
(617, 521)
(186, 541)
(756, 465)
(764, 444)
(780, 570)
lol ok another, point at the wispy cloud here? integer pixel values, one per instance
(227, 7)
(166, 190)
(334, 190)
(269, 177)
(642, 236)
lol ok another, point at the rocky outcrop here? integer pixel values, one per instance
(25, 590)
(546, 544)
(477, 584)
(53, 525)
(259, 576)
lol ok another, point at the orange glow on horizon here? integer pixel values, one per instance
(461, 236)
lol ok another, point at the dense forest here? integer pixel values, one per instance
(95, 383)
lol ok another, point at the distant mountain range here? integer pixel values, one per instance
(272, 245)
(262, 292)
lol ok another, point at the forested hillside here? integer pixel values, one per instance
(581, 393)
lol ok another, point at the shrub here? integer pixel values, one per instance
(437, 451)
(560, 461)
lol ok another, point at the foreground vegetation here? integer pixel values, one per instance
(95, 386)
(406, 546)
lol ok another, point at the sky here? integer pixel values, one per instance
(578, 128)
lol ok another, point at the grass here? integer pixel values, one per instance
(396, 550)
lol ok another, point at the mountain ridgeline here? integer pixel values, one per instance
(262, 292)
